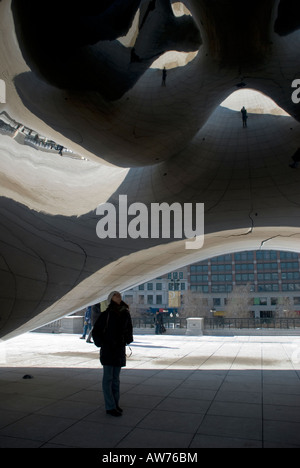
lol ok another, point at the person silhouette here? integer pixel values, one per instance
(164, 77)
(244, 116)
(87, 322)
(111, 333)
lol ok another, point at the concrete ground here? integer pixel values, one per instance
(177, 392)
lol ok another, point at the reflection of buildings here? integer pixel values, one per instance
(26, 136)
(271, 275)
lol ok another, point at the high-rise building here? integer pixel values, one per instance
(273, 279)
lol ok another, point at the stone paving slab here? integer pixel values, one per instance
(176, 391)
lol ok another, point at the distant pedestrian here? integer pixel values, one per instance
(164, 77)
(159, 324)
(244, 116)
(87, 324)
(95, 312)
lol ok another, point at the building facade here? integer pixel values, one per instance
(273, 278)
(159, 293)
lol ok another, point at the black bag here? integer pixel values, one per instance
(97, 339)
(99, 330)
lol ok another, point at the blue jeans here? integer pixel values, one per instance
(111, 386)
(86, 329)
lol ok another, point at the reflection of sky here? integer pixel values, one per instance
(254, 101)
(174, 59)
(170, 59)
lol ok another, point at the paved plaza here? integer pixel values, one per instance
(176, 392)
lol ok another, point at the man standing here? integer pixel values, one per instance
(244, 116)
(158, 323)
(164, 77)
(95, 312)
(87, 322)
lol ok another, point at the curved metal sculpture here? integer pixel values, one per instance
(70, 79)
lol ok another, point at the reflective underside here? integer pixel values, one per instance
(70, 78)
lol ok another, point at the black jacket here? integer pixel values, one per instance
(112, 332)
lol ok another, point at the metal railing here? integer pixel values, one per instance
(212, 323)
(254, 323)
(148, 322)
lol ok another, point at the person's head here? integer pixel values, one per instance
(114, 296)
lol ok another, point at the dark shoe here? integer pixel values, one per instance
(113, 412)
(119, 409)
